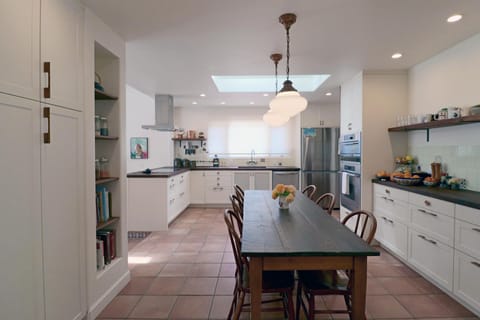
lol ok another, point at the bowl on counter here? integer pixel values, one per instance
(431, 183)
(407, 181)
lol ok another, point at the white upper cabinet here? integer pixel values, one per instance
(62, 47)
(20, 39)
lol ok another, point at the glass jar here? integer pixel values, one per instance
(97, 169)
(103, 126)
(97, 125)
(104, 168)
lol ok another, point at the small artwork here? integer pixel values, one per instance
(138, 148)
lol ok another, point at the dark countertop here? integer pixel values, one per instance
(463, 197)
(165, 172)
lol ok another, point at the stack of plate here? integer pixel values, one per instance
(475, 110)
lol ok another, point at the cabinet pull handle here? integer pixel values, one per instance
(476, 229)
(429, 213)
(388, 220)
(427, 203)
(426, 239)
(46, 115)
(46, 70)
(476, 264)
(387, 191)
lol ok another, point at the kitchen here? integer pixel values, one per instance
(367, 93)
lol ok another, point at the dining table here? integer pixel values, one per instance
(302, 237)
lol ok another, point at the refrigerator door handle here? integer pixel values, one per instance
(307, 143)
(285, 173)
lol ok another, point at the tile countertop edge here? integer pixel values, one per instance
(141, 174)
(462, 197)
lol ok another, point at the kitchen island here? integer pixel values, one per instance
(158, 196)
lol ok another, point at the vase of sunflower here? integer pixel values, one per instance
(285, 195)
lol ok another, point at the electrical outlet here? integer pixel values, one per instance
(463, 184)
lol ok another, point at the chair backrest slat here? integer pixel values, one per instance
(368, 221)
(326, 201)
(233, 222)
(309, 191)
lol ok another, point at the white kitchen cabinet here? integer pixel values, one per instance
(391, 202)
(178, 195)
(20, 62)
(218, 186)
(62, 217)
(437, 225)
(253, 180)
(43, 228)
(351, 105)
(197, 187)
(21, 245)
(467, 279)
(392, 234)
(432, 204)
(61, 40)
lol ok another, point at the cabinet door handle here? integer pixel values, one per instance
(429, 213)
(46, 115)
(427, 203)
(476, 264)
(426, 239)
(476, 229)
(46, 70)
(387, 191)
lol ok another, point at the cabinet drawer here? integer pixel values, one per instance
(467, 238)
(467, 279)
(219, 181)
(467, 214)
(432, 257)
(428, 203)
(218, 195)
(391, 193)
(392, 207)
(393, 235)
(436, 225)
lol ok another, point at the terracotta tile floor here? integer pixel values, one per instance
(189, 275)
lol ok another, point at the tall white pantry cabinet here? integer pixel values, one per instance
(43, 233)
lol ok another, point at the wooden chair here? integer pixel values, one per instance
(280, 282)
(237, 205)
(333, 282)
(326, 201)
(309, 191)
(239, 192)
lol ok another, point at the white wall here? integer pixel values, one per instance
(140, 110)
(450, 78)
(192, 118)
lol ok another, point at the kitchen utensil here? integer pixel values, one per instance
(186, 163)
(177, 163)
(436, 170)
(453, 112)
(475, 110)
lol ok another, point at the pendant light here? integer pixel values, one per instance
(288, 101)
(274, 118)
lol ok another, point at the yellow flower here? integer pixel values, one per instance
(290, 198)
(284, 190)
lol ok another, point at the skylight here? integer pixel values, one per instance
(303, 83)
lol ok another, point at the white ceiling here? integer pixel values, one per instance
(175, 46)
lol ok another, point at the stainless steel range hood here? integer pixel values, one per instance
(163, 113)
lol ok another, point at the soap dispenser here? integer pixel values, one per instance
(216, 161)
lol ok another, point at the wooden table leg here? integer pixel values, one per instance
(256, 267)
(359, 288)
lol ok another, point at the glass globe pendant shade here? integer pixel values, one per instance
(288, 103)
(275, 119)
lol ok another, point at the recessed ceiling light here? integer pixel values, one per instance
(454, 18)
(265, 94)
(397, 55)
(194, 102)
(202, 94)
(251, 102)
(328, 94)
(303, 83)
(223, 102)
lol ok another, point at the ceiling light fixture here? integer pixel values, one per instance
(328, 94)
(265, 94)
(223, 102)
(397, 55)
(288, 101)
(251, 102)
(454, 18)
(194, 102)
(202, 95)
(275, 118)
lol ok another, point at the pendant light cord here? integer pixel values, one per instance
(288, 51)
(276, 77)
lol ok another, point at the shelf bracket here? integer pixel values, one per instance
(428, 134)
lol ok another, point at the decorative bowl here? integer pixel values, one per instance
(407, 181)
(431, 183)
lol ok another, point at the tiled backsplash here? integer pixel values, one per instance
(462, 161)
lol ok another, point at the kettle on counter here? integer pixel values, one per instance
(216, 161)
(177, 163)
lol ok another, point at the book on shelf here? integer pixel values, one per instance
(100, 255)
(103, 201)
(108, 238)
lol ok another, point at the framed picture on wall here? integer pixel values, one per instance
(139, 148)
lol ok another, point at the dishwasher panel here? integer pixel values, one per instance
(285, 177)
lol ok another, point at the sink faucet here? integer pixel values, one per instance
(252, 158)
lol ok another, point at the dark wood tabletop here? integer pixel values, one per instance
(305, 229)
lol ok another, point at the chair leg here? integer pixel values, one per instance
(291, 311)
(239, 306)
(299, 297)
(232, 306)
(311, 306)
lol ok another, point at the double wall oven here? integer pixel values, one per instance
(350, 150)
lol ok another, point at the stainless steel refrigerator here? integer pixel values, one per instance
(320, 161)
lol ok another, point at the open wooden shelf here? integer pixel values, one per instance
(189, 139)
(437, 124)
(106, 180)
(105, 224)
(106, 138)
(100, 95)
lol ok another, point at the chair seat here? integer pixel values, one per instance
(274, 280)
(324, 280)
